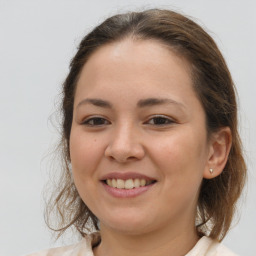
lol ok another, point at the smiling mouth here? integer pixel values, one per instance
(129, 183)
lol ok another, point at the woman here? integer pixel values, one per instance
(153, 161)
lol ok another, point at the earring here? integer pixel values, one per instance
(211, 170)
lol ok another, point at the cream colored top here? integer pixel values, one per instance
(204, 247)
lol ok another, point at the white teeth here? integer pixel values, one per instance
(114, 185)
(136, 183)
(119, 183)
(127, 184)
(109, 182)
(143, 182)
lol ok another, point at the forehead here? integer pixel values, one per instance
(138, 51)
(139, 62)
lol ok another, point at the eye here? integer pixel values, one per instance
(160, 121)
(95, 121)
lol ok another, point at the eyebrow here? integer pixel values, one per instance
(141, 103)
(157, 101)
(95, 102)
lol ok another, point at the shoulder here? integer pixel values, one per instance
(208, 247)
(84, 247)
(222, 250)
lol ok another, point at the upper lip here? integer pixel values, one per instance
(125, 176)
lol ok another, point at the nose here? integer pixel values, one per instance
(125, 145)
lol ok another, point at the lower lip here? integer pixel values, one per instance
(126, 193)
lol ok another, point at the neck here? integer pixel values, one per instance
(160, 242)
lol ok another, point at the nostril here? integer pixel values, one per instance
(124, 150)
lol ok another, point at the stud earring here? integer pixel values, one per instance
(211, 170)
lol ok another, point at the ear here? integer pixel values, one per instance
(219, 148)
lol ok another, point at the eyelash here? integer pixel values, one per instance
(162, 121)
(93, 119)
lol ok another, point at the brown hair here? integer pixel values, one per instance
(214, 87)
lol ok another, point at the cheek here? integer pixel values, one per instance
(181, 161)
(181, 153)
(84, 153)
(84, 156)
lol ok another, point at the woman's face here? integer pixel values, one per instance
(137, 120)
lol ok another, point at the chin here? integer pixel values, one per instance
(129, 224)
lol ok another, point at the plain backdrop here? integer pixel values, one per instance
(37, 41)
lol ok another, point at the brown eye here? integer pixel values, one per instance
(160, 120)
(96, 121)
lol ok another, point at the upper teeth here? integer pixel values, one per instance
(127, 184)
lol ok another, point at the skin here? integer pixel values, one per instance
(122, 136)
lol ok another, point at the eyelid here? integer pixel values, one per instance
(169, 119)
(86, 120)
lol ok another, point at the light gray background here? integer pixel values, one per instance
(37, 41)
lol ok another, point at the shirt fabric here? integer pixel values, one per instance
(204, 247)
